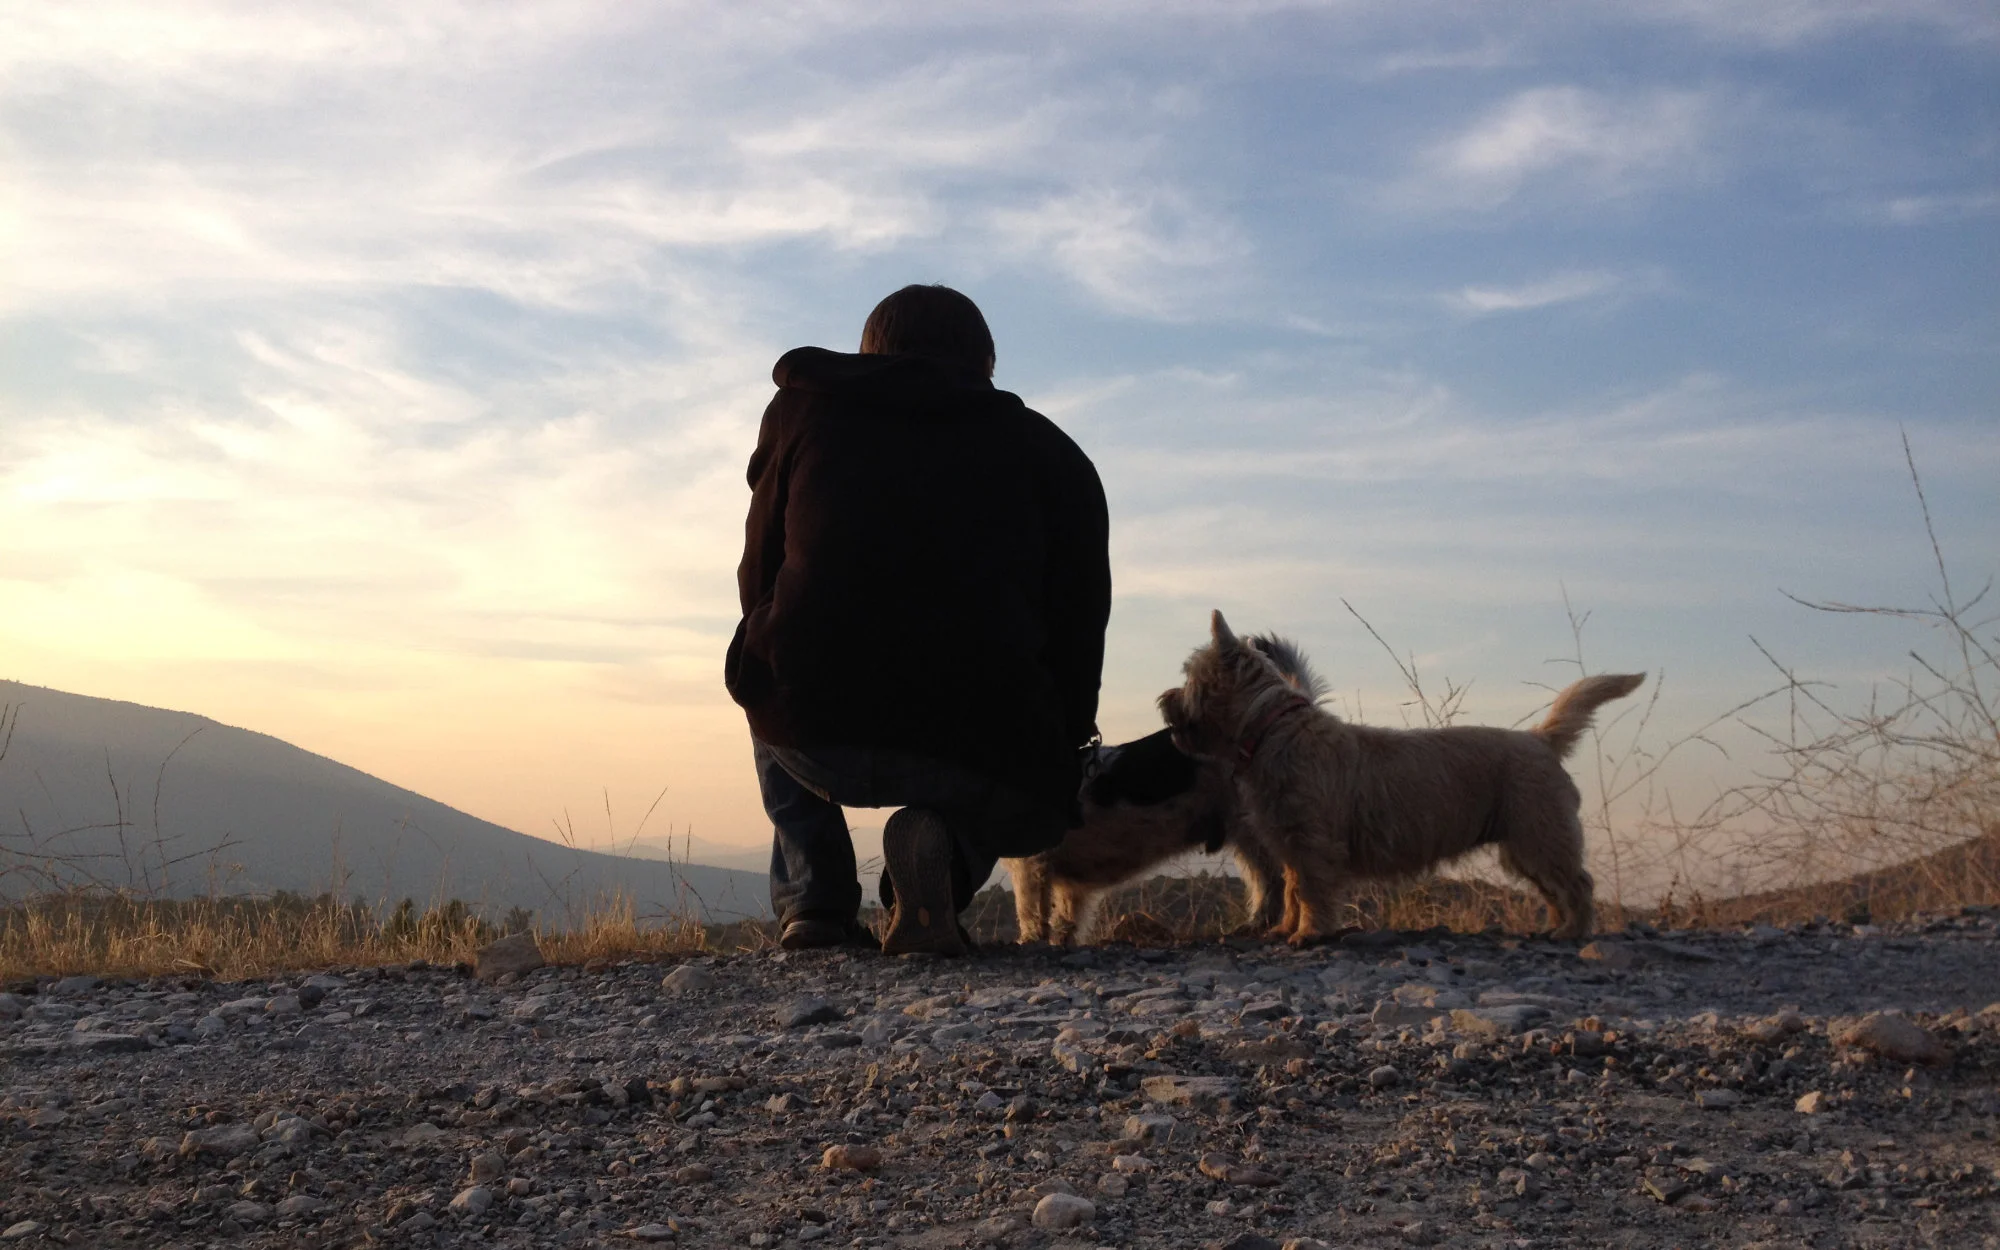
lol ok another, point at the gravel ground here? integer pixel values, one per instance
(1708, 1089)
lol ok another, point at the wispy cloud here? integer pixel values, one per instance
(1568, 287)
(1924, 210)
(1153, 255)
(1586, 144)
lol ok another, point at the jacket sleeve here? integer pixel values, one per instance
(1079, 589)
(764, 526)
(745, 670)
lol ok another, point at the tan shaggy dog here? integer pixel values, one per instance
(1333, 800)
(1148, 803)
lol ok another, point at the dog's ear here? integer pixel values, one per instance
(1173, 707)
(1218, 629)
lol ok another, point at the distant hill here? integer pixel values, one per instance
(132, 796)
(757, 859)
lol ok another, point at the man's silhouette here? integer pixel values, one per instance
(925, 586)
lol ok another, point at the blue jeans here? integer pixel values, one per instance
(812, 856)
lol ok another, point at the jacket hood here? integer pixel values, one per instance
(878, 378)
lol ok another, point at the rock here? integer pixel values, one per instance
(1400, 1015)
(422, 1221)
(688, 979)
(224, 1141)
(520, 1187)
(22, 1230)
(76, 985)
(248, 1212)
(299, 1205)
(1666, 1189)
(1717, 1099)
(1064, 1211)
(1810, 1103)
(1418, 1233)
(517, 953)
(1250, 1241)
(12, 1007)
(1502, 1021)
(1188, 1091)
(1306, 1243)
(1113, 1185)
(211, 1026)
(851, 1158)
(995, 1229)
(1221, 1168)
(1385, 1076)
(1610, 954)
(1894, 1037)
(1776, 1027)
(798, 1013)
(285, 1005)
(487, 1165)
(1134, 1164)
(696, 1174)
(650, 1232)
(422, 1134)
(108, 1043)
(473, 1200)
(1149, 1128)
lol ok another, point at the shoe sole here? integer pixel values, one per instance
(916, 853)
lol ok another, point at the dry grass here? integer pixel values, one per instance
(237, 938)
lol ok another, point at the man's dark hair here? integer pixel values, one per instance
(930, 321)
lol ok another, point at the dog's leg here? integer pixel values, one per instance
(1031, 897)
(1550, 857)
(1083, 909)
(1288, 916)
(1067, 913)
(1314, 877)
(1263, 880)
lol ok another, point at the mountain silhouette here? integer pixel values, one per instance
(107, 793)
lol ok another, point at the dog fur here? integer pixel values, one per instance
(1149, 804)
(1331, 800)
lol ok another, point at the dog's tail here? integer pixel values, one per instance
(1570, 715)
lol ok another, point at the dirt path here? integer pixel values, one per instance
(1416, 1090)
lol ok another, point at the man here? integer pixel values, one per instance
(925, 586)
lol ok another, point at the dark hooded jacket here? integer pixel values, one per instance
(924, 568)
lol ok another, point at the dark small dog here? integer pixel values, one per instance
(1148, 802)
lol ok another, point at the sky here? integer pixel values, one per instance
(382, 377)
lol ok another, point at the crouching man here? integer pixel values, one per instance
(925, 586)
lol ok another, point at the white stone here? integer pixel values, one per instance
(1064, 1211)
(688, 979)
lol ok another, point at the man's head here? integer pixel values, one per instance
(930, 321)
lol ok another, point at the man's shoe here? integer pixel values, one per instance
(810, 933)
(916, 855)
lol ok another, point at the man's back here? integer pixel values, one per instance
(924, 569)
